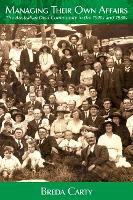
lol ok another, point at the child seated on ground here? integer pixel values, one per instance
(32, 157)
(82, 140)
(68, 145)
(9, 163)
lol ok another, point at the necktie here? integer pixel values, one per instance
(85, 114)
(88, 151)
(19, 144)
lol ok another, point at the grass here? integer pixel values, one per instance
(69, 170)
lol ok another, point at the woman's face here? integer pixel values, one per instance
(44, 50)
(63, 45)
(108, 128)
(67, 52)
(30, 111)
(16, 45)
(76, 115)
(32, 88)
(60, 115)
(18, 118)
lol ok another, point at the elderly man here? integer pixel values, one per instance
(95, 157)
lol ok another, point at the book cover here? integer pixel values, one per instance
(66, 99)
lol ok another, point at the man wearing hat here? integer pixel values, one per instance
(56, 74)
(54, 52)
(89, 40)
(4, 45)
(28, 58)
(77, 58)
(94, 121)
(73, 43)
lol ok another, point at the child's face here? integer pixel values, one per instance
(31, 148)
(68, 135)
(83, 132)
(7, 154)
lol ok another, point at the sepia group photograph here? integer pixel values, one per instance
(66, 103)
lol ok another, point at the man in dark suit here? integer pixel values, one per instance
(85, 110)
(47, 113)
(50, 89)
(22, 89)
(89, 40)
(77, 58)
(52, 103)
(54, 53)
(97, 78)
(73, 44)
(96, 51)
(47, 145)
(56, 75)
(4, 85)
(34, 124)
(107, 109)
(33, 102)
(4, 45)
(18, 143)
(94, 121)
(118, 61)
(95, 157)
(2, 113)
(28, 58)
(93, 99)
(112, 81)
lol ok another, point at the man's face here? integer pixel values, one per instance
(85, 105)
(52, 82)
(18, 134)
(3, 36)
(46, 109)
(118, 55)
(97, 67)
(110, 63)
(6, 67)
(96, 49)
(90, 138)
(52, 99)
(80, 48)
(26, 81)
(107, 105)
(32, 97)
(74, 40)
(50, 43)
(42, 133)
(2, 78)
(127, 63)
(29, 44)
(37, 114)
(93, 111)
(93, 93)
(111, 52)
(37, 81)
(8, 128)
(88, 32)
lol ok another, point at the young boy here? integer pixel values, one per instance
(9, 163)
(32, 156)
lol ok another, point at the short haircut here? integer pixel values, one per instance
(10, 149)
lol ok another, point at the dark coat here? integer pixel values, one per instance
(32, 128)
(97, 102)
(51, 118)
(100, 156)
(5, 140)
(88, 43)
(21, 93)
(46, 146)
(74, 79)
(97, 83)
(55, 55)
(25, 62)
(37, 104)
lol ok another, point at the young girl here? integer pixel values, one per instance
(9, 163)
(32, 157)
(82, 140)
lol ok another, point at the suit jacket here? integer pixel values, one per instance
(5, 140)
(88, 43)
(1, 120)
(7, 87)
(57, 77)
(76, 60)
(42, 76)
(74, 79)
(97, 102)
(46, 146)
(10, 76)
(100, 155)
(97, 83)
(128, 78)
(37, 104)
(55, 55)
(73, 50)
(25, 62)
(32, 128)
(19, 151)
(21, 93)
(49, 90)
(51, 118)
(112, 82)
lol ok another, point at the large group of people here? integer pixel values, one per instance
(69, 98)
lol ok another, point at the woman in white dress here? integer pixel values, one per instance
(113, 144)
(14, 56)
(45, 59)
(72, 96)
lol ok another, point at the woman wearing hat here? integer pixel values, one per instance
(113, 144)
(65, 58)
(59, 126)
(121, 129)
(19, 121)
(14, 56)
(62, 44)
(45, 59)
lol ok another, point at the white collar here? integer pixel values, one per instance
(72, 69)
